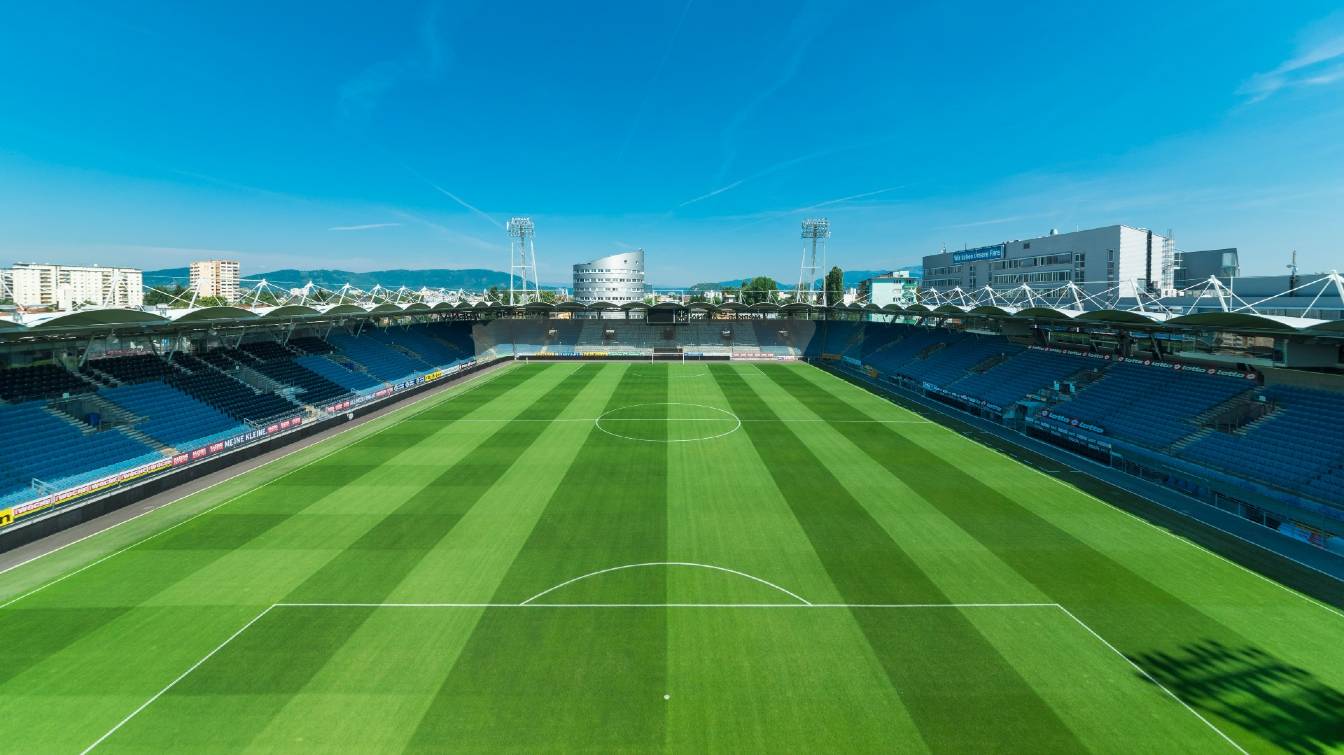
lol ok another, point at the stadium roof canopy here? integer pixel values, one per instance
(121, 320)
(93, 322)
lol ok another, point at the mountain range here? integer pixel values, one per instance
(471, 278)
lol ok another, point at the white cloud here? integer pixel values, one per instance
(364, 227)
(1319, 61)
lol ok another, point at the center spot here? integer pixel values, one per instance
(668, 422)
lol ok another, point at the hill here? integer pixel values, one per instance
(469, 278)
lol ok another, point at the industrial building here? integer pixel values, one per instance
(66, 287)
(1096, 260)
(1194, 268)
(618, 278)
(217, 278)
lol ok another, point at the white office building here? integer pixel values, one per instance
(1096, 260)
(66, 287)
(898, 288)
(215, 278)
(618, 279)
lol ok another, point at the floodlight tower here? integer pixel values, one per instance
(523, 286)
(815, 233)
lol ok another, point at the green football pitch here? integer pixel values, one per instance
(635, 556)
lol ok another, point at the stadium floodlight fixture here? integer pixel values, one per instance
(523, 285)
(815, 233)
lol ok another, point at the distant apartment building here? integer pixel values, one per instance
(67, 287)
(215, 278)
(1117, 256)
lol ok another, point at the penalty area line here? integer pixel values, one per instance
(1150, 678)
(528, 605)
(174, 682)
(668, 605)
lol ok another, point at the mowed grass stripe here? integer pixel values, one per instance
(751, 680)
(1142, 619)
(960, 691)
(276, 659)
(372, 567)
(39, 627)
(397, 660)
(538, 678)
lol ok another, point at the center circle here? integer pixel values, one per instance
(668, 422)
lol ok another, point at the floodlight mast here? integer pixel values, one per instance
(523, 286)
(815, 233)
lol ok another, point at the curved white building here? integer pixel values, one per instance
(618, 279)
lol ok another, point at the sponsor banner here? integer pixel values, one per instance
(1071, 352)
(994, 252)
(245, 438)
(181, 459)
(1082, 438)
(968, 400)
(46, 502)
(6, 516)
(1173, 366)
(753, 356)
(432, 376)
(1072, 422)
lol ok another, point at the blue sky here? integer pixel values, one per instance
(366, 136)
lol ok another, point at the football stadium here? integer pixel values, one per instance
(555, 527)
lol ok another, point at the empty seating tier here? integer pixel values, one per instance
(339, 374)
(266, 350)
(381, 360)
(171, 416)
(311, 345)
(136, 368)
(36, 443)
(316, 389)
(233, 398)
(39, 381)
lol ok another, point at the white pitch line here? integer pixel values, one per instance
(1150, 678)
(667, 605)
(174, 682)
(528, 605)
(700, 419)
(712, 567)
(453, 393)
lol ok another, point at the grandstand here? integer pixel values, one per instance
(458, 562)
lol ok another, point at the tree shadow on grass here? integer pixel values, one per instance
(1284, 704)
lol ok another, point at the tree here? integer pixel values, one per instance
(865, 289)
(758, 289)
(835, 286)
(177, 296)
